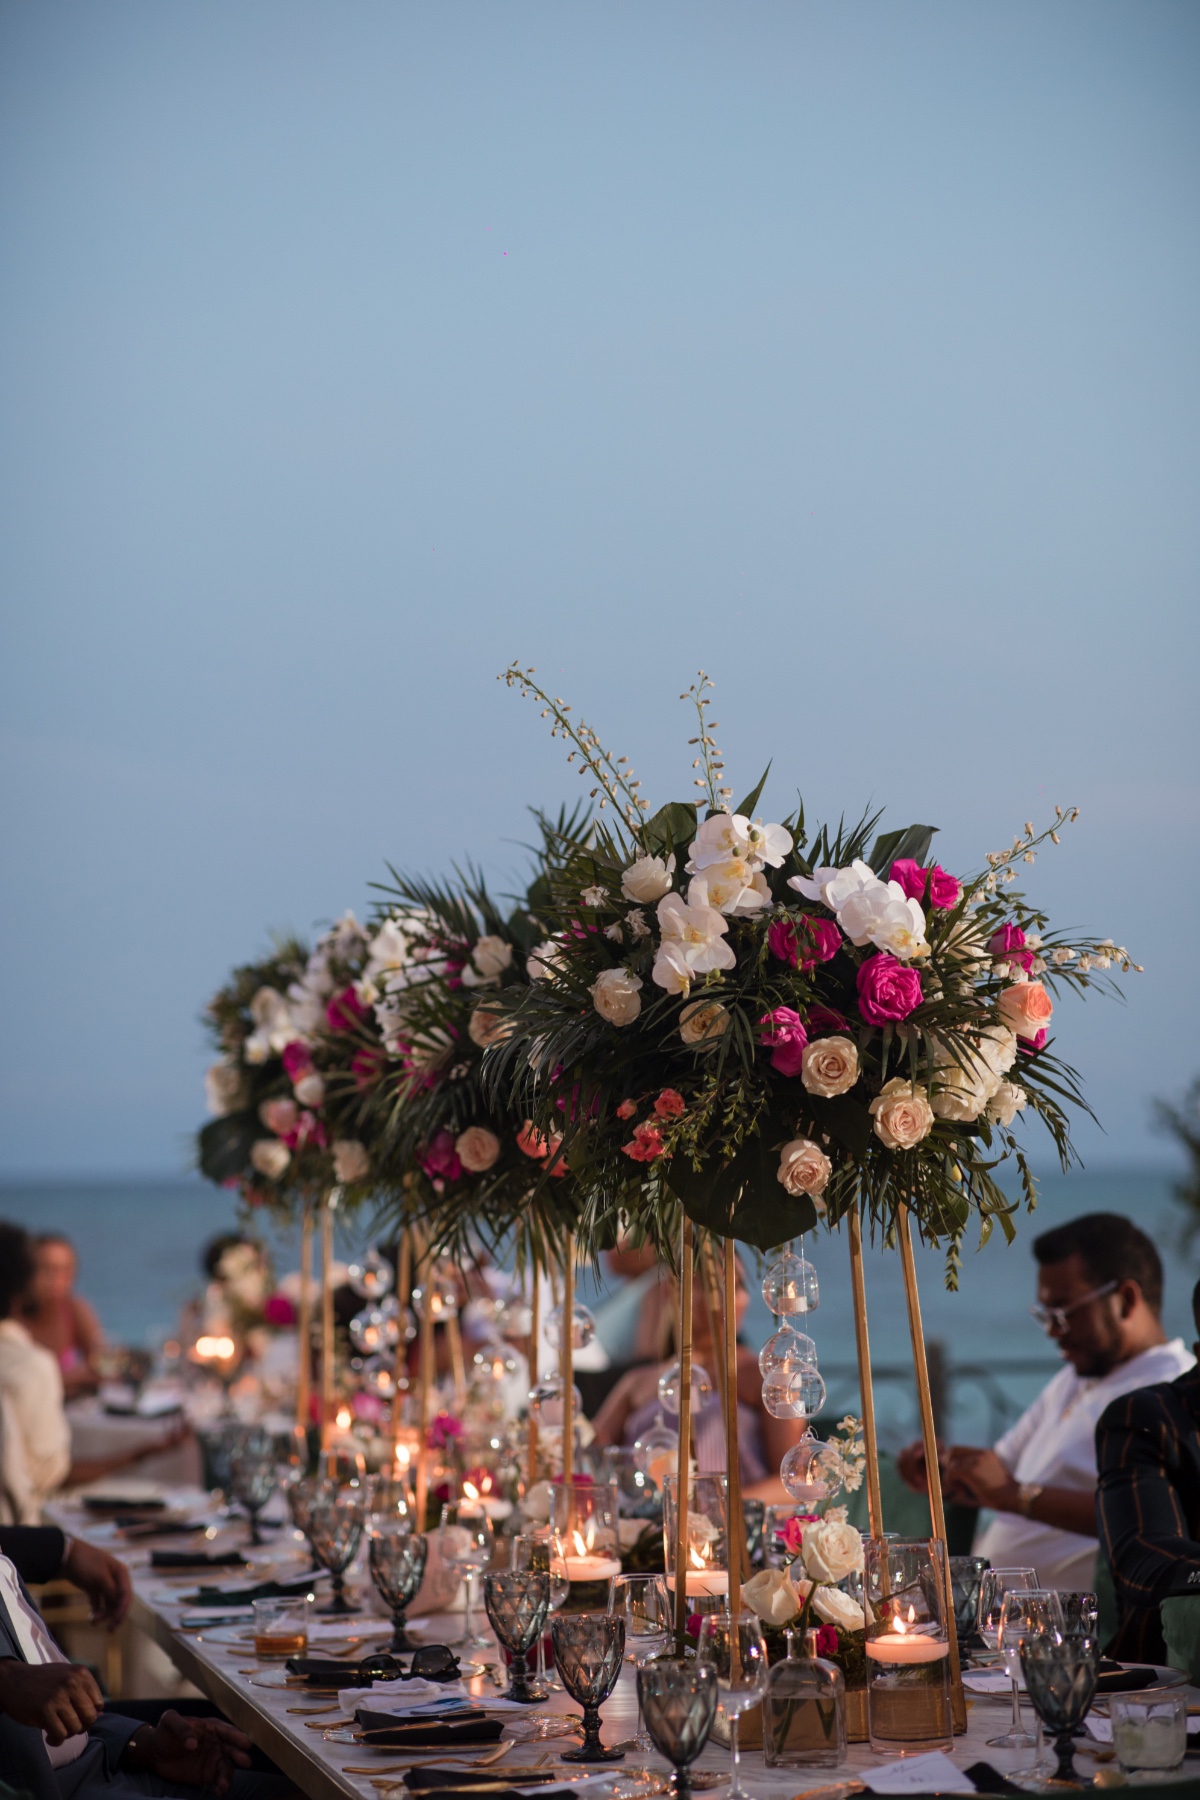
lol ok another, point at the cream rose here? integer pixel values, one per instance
(702, 1020)
(831, 1550)
(829, 1066)
(804, 1168)
(542, 962)
(489, 959)
(773, 1595)
(350, 1160)
(902, 1114)
(648, 879)
(836, 1608)
(1004, 1105)
(270, 1157)
(485, 1026)
(310, 1089)
(962, 1093)
(477, 1148)
(223, 1091)
(1025, 1008)
(616, 997)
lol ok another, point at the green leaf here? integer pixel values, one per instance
(672, 826)
(752, 798)
(225, 1145)
(845, 1119)
(893, 846)
(743, 1200)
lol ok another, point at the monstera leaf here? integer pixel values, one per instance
(743, 1199)
(225, 1145)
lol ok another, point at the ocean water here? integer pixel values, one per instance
(140, 1244)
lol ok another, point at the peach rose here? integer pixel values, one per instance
(804, 1168)
(279, 1116)
(477, 1148)
(830, 1066)
(1025, 1008)
(485, 1026)
(702, 1020)
(350, 1160)
(902, 1113)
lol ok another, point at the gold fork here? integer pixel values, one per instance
(435, 1762)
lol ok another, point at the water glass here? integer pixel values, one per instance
(396, 1557)
(1081, 1611)
(644, 1604)
(1149, 1732)
(281, 1626)
(517, 1606)
(992, 1589)
(735, 1649)
(335, 1525)
(966, 1579)
(466, 1541)
(1060, 1679)
(253, 1474)
(544, 1551)
(588, 1650)
(1022, 1610)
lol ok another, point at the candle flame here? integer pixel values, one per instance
(470, 1491)
(345, 1418)
(403, 1456)
(697, 1560)
(901, 1627)
(218, 1349)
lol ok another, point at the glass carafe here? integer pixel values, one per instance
(804, 1711)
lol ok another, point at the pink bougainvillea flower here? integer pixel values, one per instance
(910, 876)
(645, 1144)
(784, 1031)
(367, 1066)
(887, 991)
(1031, 1046)
(443, 1430)
(308, 1129)
(670, 1105)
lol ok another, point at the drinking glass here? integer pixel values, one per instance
(966, 1579)
(1022, 1610)
(678, 1701)
(644, 1604)
(588, 1648)
(299, 1491)
(736, 1650)
(992, 1589)
(396, 1557)
(1081, 1611)
(543, 1551)
(252, 1473)
(1149, 1732)
(335, 1525)
(281, 1626)
(1060, 1679)
(465, 1541)
(517, 1606)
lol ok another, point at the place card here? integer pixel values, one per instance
(919, 1775)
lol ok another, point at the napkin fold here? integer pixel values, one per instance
(421, 1780)
(386, 1732)
(247, 1593)
(400, 1697)
(1126, 1681)
(196, 1559)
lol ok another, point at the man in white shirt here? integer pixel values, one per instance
(1100, 1283)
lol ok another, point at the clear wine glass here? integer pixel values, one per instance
(1022, 1610)
(644, 1604)
(735, 1649)
(253, 1474)
(992, 1589)
(465, 1542)
(544, 1552)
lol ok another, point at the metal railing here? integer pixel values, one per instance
(946, 1380)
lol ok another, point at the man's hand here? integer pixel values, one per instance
(103, 1579)
(983, 1479)
(195, 1752)
(58, 1698)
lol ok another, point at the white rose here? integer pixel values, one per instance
(829, 1066)
(998, 1048)
(542, 962)
(485, 1027)
(477, 1148)
(902, 1114)
(270, 1157)
(804, 1168)
(831, 1550)
(703, 1020)
(223, 1092)
(961, 1094)
(648, 879)
(616, 997)
(310, 1089)
(773, 1596)
(836, 1608)
(489, 959)
(1004, 1105)
(350, 1160)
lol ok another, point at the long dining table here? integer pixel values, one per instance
(307, 1734)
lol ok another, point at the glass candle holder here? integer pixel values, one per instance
(585, 1517)
(706, 1565)
(1149, 1732)
(908, 1648)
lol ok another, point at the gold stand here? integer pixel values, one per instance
(535, 1326)
(733, 1466)
(424, 1372)
(328, 1345)
(566, 1364)
(866, 1385)
(683, 1465)
(304, 1322)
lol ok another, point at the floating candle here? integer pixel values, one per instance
(700, 1582)
(596, 1567)
(907, 1647)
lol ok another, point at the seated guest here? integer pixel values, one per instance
(1148, 1503)
(1100, 1283)
(35, 1436)
(58, 1741)
(763, 1441)
(58, 1319)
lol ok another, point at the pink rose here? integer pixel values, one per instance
(887, 990)
(910, 876)
(297, 1058)
(783, 1030)
(1031, 1046)
(279, 1116)
(822, 1019)
(308, 1129)
(645, 1144)
(825, 941)
(627, 1109)
(367, 1067)
(793, 1531)
(827, 1640)
(669, 1105)
(440, 1159)
(344, 1011)
(945, 891)
(781, 940)
(1009, 943)
(1025, 1008)
(279, 1310)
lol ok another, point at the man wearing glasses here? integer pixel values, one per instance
(1100, 1283)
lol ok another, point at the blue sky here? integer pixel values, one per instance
(348, 351)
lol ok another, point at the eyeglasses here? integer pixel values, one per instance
(1054, 1318)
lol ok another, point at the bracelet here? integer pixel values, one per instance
(1027, 1493)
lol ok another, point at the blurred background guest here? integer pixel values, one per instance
(58, 1318)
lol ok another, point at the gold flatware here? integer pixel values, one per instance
(435, 1762)
(303, 1711)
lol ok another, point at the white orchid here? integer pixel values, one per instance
(270, 1012)
(734, 887)
(223, 1092)
(696, 931)
(672, 970)
(389, 949)
(833, 887)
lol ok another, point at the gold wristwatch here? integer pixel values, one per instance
(1027, 1493)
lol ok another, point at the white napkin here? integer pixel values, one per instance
(918, 1774)
(401, 1697)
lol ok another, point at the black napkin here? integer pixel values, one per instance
(135, 1527)
(991, 1781)
(384, 1731)
(1126, 1681)
(262, 1590)
(197, 1559)
(465, 1789)
(418, 1779)
(114, 1503)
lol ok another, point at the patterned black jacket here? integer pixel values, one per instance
(1148, 1506)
